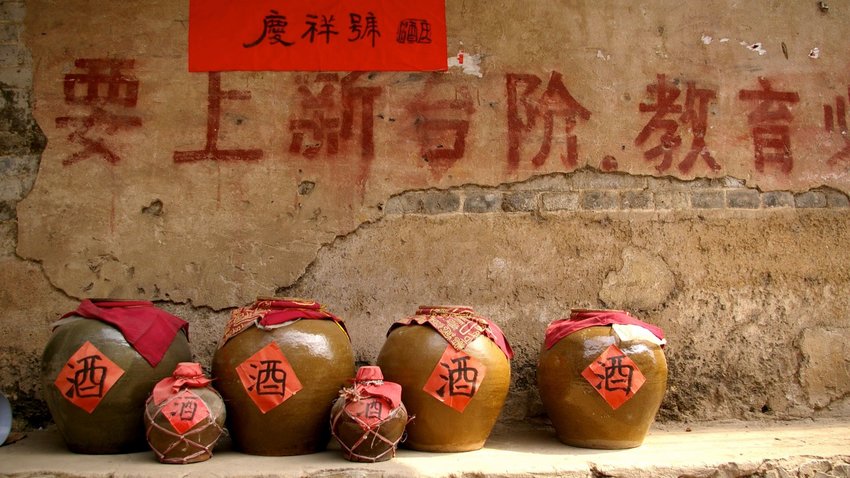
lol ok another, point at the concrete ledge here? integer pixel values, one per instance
(733, 449)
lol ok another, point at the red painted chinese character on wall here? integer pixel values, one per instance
(442, 126)
(839, 115)
(104, 86)
(694, 112)
(770, 125)
(326, 117)
(318, 124)
(211, 152)
(555, 102)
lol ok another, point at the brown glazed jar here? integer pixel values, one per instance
(454, 369)
(601, 376)
(368, 418)
(184, 416)
(99, 367)
(279, 368)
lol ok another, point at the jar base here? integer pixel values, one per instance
(444, 448)
(600, 443)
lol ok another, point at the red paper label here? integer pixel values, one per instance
(369, 411)
(615, 376)
(268, 377)
(455, 379)
(319, 35)
(87, 377)
(184, 411)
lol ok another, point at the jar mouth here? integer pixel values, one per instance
(574, 311)
(438, 309)
(109, 302)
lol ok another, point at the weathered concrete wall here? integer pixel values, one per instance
(687, 162)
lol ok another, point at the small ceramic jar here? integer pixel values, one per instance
(454, 369)
(368, 418)
(184, 416)
(602, 375)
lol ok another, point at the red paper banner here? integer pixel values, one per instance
(87, 377)
(319, 35)
(615, 376)
(455, 379)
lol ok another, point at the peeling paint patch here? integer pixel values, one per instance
(814, 53)
(602, 56)
(757, 47)
(471, 64)
(706, 39)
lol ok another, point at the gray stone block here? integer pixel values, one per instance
(773, 199)
(642, 199)
(600, 200)
(810, 199)
(563, 201)
(712, 199)
(482, 202)
(743, 199)
(524, 201)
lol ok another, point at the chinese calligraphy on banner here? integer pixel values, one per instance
(321, 35)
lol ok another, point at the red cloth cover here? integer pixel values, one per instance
(147, 329)
(459, 325)
(369, 382)
(186, 375)
(267, 312)
(582, 318)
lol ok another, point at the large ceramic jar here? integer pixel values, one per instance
(601, 376)
(368, 418)
(99, 367)
(184, 416)
(454, 369)
(279, 368)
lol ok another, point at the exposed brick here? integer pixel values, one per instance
(13, 56)
(549, 182)
(728, 182)
(707, 199)
(587, 179)
(600, 200)
(523, 201)
(11, 11)
(482, 202)
(423, 202)
(810, 199)
(10, 33)
(836, 199)
(777, 199)
(743, 199)
(671, 200)
(665, 183)
(560, 201)
(636, 200)
(7, 210)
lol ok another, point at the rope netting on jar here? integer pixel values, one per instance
(371, 429)
(180, 440)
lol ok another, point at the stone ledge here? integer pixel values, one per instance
(785, 449)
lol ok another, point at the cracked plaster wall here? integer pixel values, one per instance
(745, 268)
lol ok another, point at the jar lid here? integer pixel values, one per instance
(583, 318)
(272, 312)
(148, 329)
(458, 324)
